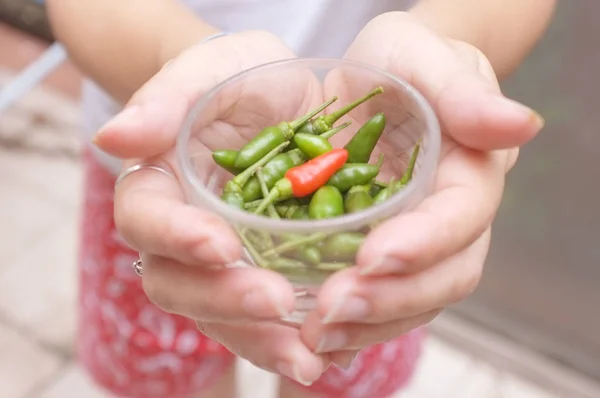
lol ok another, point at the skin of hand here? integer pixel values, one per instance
(184, 248)
(412, 266)
(394, 288)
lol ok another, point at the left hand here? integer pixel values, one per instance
(414, 265)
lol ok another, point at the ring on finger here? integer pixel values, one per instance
(137, 266)
(143, 166)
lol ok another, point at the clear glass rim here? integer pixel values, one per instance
(388, 208)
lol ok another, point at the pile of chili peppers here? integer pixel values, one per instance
(291, 171)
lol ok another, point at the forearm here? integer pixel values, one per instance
(121, 44)
(505, 31)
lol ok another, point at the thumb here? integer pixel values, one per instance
(457, 80)
(150, 122)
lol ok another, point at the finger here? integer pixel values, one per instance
(470, 106)
(344, 359)
(349, 297)
(273, 347)
(250, 293)
(350, 337)
(151, 120)
(467, 194)
(151, 216)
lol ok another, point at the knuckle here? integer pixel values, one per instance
(209, 330)
(464, 285)
(413, 302)
(157, 294)
(124, 217)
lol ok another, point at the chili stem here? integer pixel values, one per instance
(294, 244)
(260, 261)
(252, 205)
(330, 133)
(283, 263)
(265, 191)
(299, 122)
(332, 266)
(242, 178)
(380, 184)
(267, 200)
(334, 116)
(380, 160)
(411, 165)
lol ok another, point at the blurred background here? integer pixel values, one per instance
(532, 329)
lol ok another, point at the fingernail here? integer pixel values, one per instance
(128, 117)
(262, 303)
(350, 361)
(225, 255)
(333, 340)
(382, 266)
(538, 120)
(347, 308)
(291, 371)
(212, 249)
(526, 112)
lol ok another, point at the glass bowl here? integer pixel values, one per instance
(307, 251)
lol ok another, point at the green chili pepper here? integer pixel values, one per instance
(272, 136)
(358, 198)
(285, 205)
(327, 135)
(312, 145)
(327, 202)
(376, 188)
(385, 193)
(301, 213)
(342, 246)
(273, 171)
(364, 141)
(325, 122)
(293, 212)
(352, 174)
(226, 159)
(308, 254)
(232, 192)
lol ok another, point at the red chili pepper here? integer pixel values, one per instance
(306, 178)
(312, 175)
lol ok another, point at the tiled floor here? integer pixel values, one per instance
(40, 184)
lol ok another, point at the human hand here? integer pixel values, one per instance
(414, 265)
(183, 248)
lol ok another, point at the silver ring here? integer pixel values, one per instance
(139, 167)
(137, 266)
(214, 36)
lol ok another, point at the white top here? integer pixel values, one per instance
(311, 28)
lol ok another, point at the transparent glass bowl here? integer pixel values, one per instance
(232, 113)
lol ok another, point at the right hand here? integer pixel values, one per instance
(184, 248)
